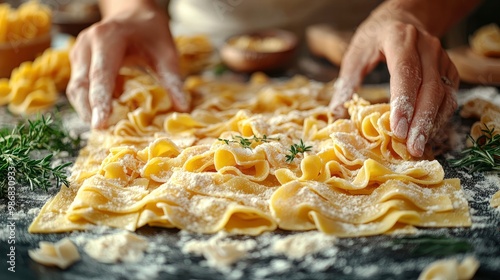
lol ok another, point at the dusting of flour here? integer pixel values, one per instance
(123, 246)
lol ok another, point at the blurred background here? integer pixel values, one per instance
(72, 16)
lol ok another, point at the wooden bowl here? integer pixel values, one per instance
(265, 50)
(12, 54)
(474, 68)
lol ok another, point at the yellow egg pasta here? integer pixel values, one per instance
(35, 85)
(195, 53)
(31, 20)
(224, 166)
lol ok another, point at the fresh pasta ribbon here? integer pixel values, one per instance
(209, 170)
(242, 163)
(309, 205)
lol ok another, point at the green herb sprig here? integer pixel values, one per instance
(435, 245)
(21, 150)
(247, 142)
(296, 149)
(484, 155)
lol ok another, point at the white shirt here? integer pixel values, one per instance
(222, 18)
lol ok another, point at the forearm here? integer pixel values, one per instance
(110, 8)
(434, 16)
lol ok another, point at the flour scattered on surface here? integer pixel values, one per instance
(34, 211)
(299, 245)
(219, 251)
(366, 271)
(125, 246)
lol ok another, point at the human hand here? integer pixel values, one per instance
(134, 28)
(423, 80)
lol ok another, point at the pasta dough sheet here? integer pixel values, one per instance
(190, 171)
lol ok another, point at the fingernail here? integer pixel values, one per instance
(419, 144)
(402, 128)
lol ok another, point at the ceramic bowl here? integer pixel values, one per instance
(265, 50)
(12, 54)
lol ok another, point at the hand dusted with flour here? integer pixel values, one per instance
(404, 34)
(98, 54)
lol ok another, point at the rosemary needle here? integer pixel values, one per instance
(247, 142)
(435, 245)
(483, 155)
(27, 152)
(296, 149)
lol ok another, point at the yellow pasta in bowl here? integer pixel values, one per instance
(24, 34)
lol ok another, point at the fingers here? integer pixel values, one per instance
(421, 101)
(95, 61)
(343, 90)
(450, 86)
(358, 60)
(170, 79)
(430, 96)
(167, 68)
(78, 85)
(404, 65)
(107, 54)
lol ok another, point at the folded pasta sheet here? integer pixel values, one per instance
(227, 165)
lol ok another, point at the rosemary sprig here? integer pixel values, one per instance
(296, 149)
(247, 142)
(484, 155)
(435, 245)
(21, 150)
(220, 69)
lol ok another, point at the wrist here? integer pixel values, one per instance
(432, 16)
(120, 8)
(397, 10)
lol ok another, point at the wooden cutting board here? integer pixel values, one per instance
(474, 68)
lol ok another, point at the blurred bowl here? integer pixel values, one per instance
(74, 16)
(12, 54)
(265, 50)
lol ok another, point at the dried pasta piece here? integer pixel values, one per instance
(451, 269)
(61, 254)
(475, 106)
(495, 200)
